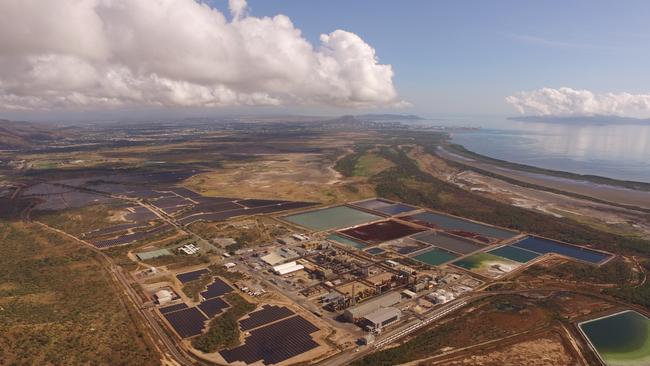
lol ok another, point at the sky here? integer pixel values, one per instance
(325, 57)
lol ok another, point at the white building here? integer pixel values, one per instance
(164, 296)
(287, 268)
(189, 249)
(440, 296)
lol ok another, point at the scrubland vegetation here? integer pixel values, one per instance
(58, 306)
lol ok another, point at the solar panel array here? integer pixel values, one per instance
(227, 211)
(129, 238)
(139, 217)
(140, 214)
(266, 315)
(216, 289)
(189, 207)
(112, 230)
(171, 308)
(191, 276)
(275, 343)
(260, 203)
(188, 322)
(213, 307)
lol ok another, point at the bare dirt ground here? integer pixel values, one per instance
(548, 350)
(292, 175)
(598, 215)
(307, 177)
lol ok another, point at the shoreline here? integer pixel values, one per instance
(462, 151)
(626, 194)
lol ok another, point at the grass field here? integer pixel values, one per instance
(370, 164)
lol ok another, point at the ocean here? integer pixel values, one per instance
(617, 151)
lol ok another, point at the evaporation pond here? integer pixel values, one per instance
(543, 246)
(445, 222)
(435, 257)
(345, 241)
(331, 218)
(621, 339)
(516, 254)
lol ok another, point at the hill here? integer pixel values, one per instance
(16, 135)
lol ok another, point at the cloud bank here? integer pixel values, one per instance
(571, 102)
(90, 53)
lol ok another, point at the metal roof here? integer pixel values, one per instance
(381, 315)
(372, 305)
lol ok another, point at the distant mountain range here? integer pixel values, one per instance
(388, 117)
(584, 120)
(15, 135)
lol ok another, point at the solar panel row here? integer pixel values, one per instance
(191, 276)
(187, 193)
(140, 214)
(260, 203)
(275, 343)
(225, 215)
(173, 201)
(169, 309)
(111, 230)
(216, 289)
(267, 314)
(187, 323)
(213, 307)
(210, 208)
(129, 238)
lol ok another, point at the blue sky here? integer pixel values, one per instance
(461, 58)
(465, 57)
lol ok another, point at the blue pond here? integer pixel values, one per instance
(543, 246)
(374, 251)
(395, 209)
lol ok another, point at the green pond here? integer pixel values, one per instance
(345, 241)
(487, 264)
(622, 339)
(331, 218)
(514, 253)
(435, 257)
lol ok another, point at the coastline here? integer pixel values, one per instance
(627, 194)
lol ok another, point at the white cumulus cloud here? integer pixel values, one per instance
(571, 102)
(89, 53)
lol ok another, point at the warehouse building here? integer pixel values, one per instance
(358, 312)
(287, 268)
(381, 318)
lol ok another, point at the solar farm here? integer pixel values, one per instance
(274, 343)
(273, 333)
(185, 207)
(157, 206)
(191, 321)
